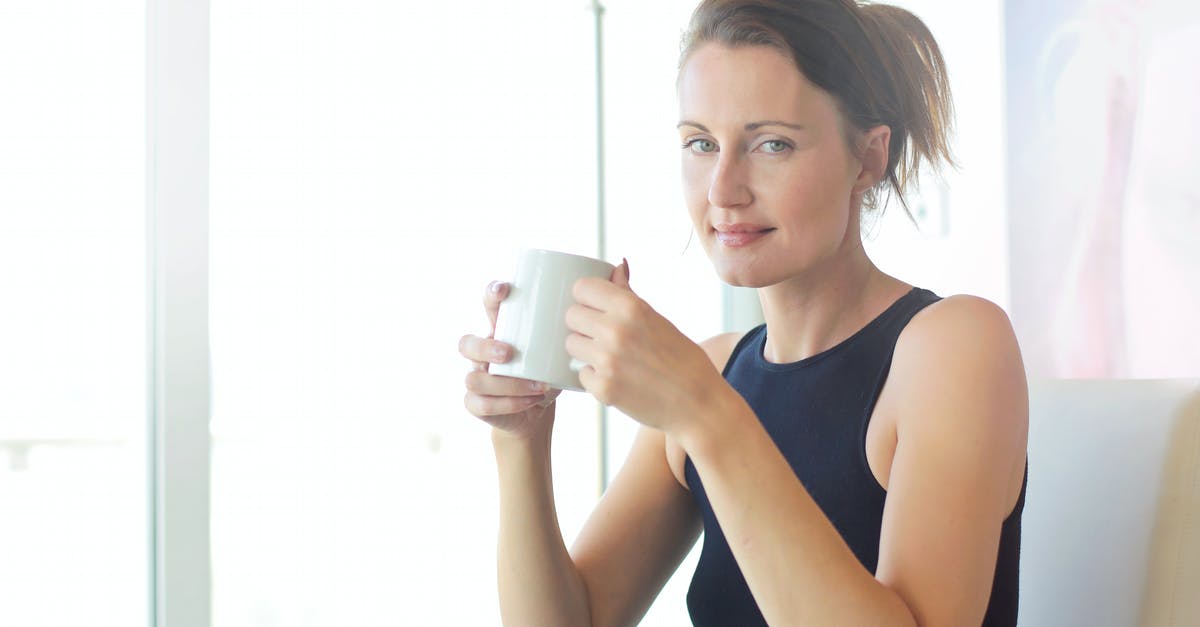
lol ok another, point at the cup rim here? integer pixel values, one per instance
(559, 253)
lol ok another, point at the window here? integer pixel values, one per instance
(373, 167)
(73, 319)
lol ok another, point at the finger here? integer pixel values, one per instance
(549, 396)
(485, 350)
(485, 384)
(600, 294)
(585, 349)
(585, 321)
(607, 297)
(592, 384)
(483, 406)
(620, 274)
(496, 291)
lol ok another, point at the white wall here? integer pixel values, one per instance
(967, 252)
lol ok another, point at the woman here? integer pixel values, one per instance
(857, 460)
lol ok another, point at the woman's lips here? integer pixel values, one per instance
(735, 239)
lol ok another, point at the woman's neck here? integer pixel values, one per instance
(816, 311)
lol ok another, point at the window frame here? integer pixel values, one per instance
(178, 362)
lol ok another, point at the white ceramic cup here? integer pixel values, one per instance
(533, 317)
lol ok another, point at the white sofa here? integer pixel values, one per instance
(1111, 531)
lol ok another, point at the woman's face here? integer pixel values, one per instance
(767, 175)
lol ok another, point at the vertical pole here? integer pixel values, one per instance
(177, 120)
(601, 219)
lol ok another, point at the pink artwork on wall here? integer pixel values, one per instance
(1103, 110)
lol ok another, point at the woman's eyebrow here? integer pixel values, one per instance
(756, 125)
(749, 127)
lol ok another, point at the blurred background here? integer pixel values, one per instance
(372, 165)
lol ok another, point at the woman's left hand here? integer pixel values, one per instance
(637, 361)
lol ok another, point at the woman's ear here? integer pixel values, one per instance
(873, 155)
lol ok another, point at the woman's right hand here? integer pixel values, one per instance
(516, 406)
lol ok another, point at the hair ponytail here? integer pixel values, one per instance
(913, 71)
(880, 63)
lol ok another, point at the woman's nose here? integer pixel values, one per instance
(729, 187)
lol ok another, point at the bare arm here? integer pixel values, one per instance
(633, 541)
(639, 532)
(642, 528)
(959, 386)
(538, 583)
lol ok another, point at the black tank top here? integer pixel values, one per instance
(817, 410)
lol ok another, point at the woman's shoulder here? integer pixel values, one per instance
(947, 322)
(959, 345)
(720, 347)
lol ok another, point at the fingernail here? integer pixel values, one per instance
(537, 386)
(495, 287)
(499, 352)
(625, 264)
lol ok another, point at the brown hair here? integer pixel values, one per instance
(879, 62)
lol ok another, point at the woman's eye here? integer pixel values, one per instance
(701, 145)
(775, 145)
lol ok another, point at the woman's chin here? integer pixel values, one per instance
(740, 277)
(740, 270)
